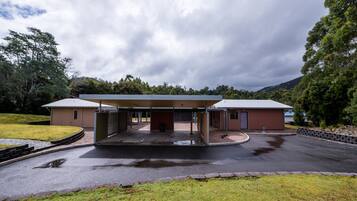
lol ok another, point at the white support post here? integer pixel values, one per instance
(139, 118)
(225, 120)
(95, 127)
(191, 128)
(118, 120)
(173, 120)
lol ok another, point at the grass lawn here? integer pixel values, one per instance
(289, 126)
(267, 188)
(36, 132)
(5, 146)
(6, 118)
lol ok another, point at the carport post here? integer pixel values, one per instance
(173, 119)
(191, 122)
(118, 117)
(139, 118)
(207, 125)
(225, 117)
(100, 106)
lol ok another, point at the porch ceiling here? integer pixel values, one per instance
(131, 101)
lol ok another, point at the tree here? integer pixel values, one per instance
(352, 108)
(131, 85)
(36, 71)
(299, 118)
(6, 92)
(330, 67)
(87, 85)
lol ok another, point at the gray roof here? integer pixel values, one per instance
(250, 104)
(73, 102)
(149, 97)
(151, 101)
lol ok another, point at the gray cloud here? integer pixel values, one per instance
(9, 10)
(249, 44)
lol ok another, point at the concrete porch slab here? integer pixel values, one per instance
(218, 137)
(177, 138)
(271, 132)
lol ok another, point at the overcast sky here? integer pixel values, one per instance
(249, 44)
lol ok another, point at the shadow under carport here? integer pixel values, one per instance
(169, 152)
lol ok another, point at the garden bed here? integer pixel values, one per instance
(342, 130)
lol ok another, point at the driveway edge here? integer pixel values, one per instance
(42, 153)
(245, 174)
(246, 139)
(272, 134)
(199, 177)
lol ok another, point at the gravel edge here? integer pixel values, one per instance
(47, 151)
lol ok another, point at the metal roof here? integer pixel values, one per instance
(250, 104)
(193, 101)
(73, 102)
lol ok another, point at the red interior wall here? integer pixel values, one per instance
(216, 119)
(268, 118)
(158, 118)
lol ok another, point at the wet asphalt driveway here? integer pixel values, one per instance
(92, 166)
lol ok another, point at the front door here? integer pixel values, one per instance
(244, 120)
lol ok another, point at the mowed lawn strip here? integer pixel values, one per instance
(7, 118)
(267, 188)
(36, 132)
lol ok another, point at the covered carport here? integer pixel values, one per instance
(116, 127)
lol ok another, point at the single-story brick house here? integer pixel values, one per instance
(73, 112)
(112, 114)
(233, 115)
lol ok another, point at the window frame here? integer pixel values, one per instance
(234, 115)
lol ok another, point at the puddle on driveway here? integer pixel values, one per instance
(155, 164)
(53, 164)
(185, 142)
(178, 142)
(275, 144)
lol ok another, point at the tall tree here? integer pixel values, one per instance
(330, 68)
(38, 71)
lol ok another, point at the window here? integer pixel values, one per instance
(75, 114)
(234, 115)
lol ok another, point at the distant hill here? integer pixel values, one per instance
(286, 85)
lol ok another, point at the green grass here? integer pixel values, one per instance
(15, 126)
(267, 188)
(36, 132)
(289, 126)
(5, 146)
(7, 118)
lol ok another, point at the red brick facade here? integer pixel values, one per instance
(258, 119)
